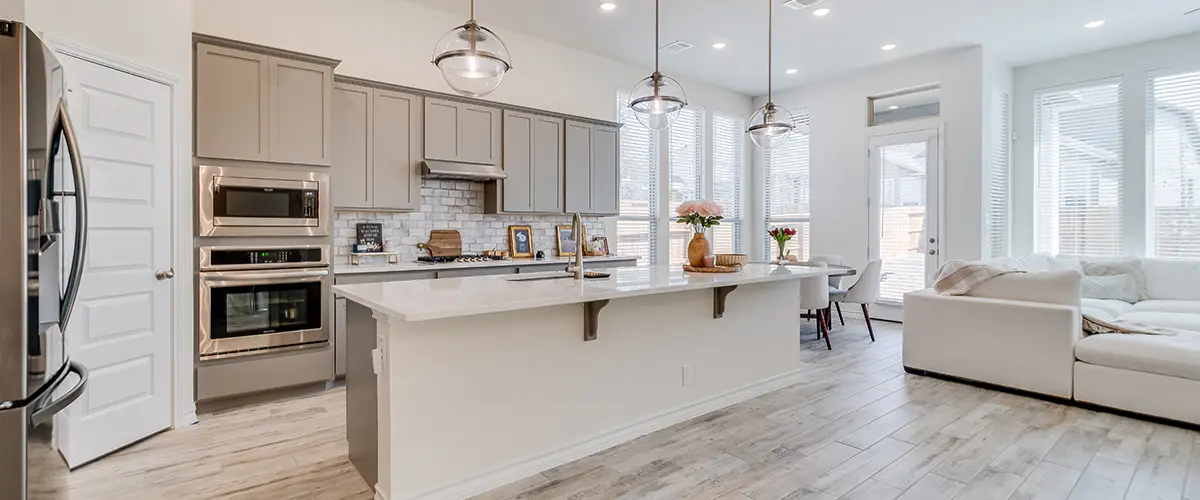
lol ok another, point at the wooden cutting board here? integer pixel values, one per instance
(443, 243)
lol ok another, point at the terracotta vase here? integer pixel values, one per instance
(697, 249)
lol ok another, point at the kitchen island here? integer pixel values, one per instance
(458, 386)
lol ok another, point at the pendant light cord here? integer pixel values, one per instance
(770, 44)
(655, 35)
(472, 10)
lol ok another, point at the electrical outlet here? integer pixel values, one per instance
(687, 375)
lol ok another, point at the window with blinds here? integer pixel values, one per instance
(685, 138)
(728, 148)
(1079, 147)
(786, 189)
(1173, 122)
(637, 222)
(995, 223)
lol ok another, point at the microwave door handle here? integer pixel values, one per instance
(64, 128)
(41, 415)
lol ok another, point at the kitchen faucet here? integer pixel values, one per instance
(577, 233)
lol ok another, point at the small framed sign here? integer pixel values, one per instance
(520, 241)
(567, 241)
(368, 237)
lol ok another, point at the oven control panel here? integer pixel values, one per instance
(266, 256)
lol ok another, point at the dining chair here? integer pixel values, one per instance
(835, 282)
(864, 292)
(814, 296)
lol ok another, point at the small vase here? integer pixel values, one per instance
(782, 259)
(697, 249)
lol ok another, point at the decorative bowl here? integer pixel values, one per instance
(731, 259)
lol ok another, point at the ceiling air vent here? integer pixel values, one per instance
(801, 4)
(675, 47)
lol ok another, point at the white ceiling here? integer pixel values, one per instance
(1017, 31)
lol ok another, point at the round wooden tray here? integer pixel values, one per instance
(720, 269)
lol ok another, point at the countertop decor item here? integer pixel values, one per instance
(356, 257)
(701, 215)
(657, 100)
(782, 235)
(473, 60)
(368, 237)
(732, 259)
(443, 243)
(520, 241)
(566, 241)
(771, 125)
(598, 247)
(714, 269)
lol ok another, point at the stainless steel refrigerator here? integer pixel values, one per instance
(41, 262)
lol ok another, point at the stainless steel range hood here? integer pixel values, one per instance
(436, 169)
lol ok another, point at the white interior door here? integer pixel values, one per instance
(904, 214)
(121, 326)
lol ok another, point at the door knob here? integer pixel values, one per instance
(165, 274)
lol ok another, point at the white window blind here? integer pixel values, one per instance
(686, 168)
(786, 188)
(1079, 147)
(996, 225)
(1174, 154)
(637, 222)
(728, 145)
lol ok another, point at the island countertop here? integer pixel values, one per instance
(449, 298)
(347, 268)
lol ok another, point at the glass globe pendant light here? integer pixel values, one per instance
(473, 60)
(657, 99)
(771, 125)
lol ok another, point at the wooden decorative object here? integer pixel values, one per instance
(443, 243)
(603, 247)
(566, 241)
(392, 257)
(520, 241)
(718, 269)
(697, 249)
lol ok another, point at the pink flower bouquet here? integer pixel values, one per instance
(700, 214)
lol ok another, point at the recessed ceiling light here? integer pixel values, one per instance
(793, 71)
(608, 6)
(893, 107)
(821, 12)
(1094, 24)
(889, 46)
(719, 45)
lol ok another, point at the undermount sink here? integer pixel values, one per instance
(543, 278)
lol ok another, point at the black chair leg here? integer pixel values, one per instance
(822, 326)
(867, 316)
(838, 305)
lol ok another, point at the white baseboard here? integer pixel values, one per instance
(533, 465)
(379, 495)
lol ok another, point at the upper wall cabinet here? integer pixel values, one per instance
(263, 105)
(457, 131)
(592, 176)
(533, 161)
(376, 148)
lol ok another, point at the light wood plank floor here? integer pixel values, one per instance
(859, 429)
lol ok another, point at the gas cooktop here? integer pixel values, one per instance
(467, 257)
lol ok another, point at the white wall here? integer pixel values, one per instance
(1130, 64)
(839, 151)
(997, 80)
(392, 41)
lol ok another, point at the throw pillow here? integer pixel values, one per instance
(1131, 267)
(1122, 287)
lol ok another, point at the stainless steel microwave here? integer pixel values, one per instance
(240, 201)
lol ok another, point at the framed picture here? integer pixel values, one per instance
(566, 240)
(520, 241)
(598, 246)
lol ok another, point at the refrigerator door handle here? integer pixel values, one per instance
(63, 126)
(41, 415)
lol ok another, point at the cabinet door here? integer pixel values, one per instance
(606, 178)
(479, 134)
(442, 129)
(548, 165)
(395, 162)
(351, 169)
(232, 106)
(578, 172)
(301, 94)
(518, 161)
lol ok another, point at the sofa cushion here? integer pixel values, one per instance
(1168, 306)
(1114, 268)
(1107, 310)
(1037, 263)
(1122, 287)
(1060, 287)
(1172, 279)
(1180, 321)
(1175, 356)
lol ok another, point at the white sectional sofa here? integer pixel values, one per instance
(1023, 331)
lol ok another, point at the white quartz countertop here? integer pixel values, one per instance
(381, 267)
(448, 298)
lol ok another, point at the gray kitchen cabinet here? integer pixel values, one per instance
(376, 148)
(533, 161)
(592, 173)
(476, 271)
(456, 131)
(232, 105)
(255, 103)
